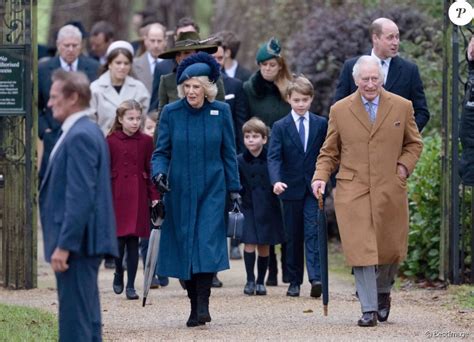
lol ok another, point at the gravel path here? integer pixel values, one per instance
(416, 314)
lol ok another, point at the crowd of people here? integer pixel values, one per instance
(189, 125)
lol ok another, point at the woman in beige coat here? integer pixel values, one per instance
(374, 160)
(115, 85)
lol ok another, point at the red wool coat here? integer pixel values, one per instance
(132, 188)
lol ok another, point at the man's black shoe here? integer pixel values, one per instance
(215, 281)
(316, 289)
(293, 290)
(368, 319)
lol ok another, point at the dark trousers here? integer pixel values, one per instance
(79, 305)
(273, 262)
(301, 231)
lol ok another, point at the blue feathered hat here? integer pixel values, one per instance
(198, 64)
(268, 50)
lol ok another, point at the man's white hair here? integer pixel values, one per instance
(69, 31)
(364, 60)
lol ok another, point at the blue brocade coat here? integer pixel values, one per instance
(196, 149)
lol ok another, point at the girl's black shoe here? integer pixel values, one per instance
(131, 293)
(118, 283)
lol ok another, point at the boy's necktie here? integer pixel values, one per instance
(301, 131)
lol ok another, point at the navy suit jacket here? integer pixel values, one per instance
(45, 70)
(75, 198)
(237, 100)
(45, 116)
(163, 68)
(403, 79)
(287, 161)
(242, 73)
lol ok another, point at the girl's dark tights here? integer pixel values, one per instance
(131, 243)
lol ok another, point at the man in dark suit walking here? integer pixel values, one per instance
(401, 76)
(70, 59)
(76, 208)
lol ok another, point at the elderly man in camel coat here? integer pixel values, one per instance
(372, 137)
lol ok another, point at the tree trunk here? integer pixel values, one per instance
(117, 12)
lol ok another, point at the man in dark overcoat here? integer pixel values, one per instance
(401, 76)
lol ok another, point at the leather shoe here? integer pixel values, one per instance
(293, 290)
(131, 293)
(384, 306)
(155, 282)
(316, 289)
(260, 290)
(368, 319)
(118, 283)
(249, 288)
(109, 263)
(164, 281)
(215, 281)
(235, 253)
(272, 279)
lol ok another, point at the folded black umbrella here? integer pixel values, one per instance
(323, 252)
(157, 216)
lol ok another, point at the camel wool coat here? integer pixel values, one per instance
(371, 199)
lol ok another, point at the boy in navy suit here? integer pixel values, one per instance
(294, 147)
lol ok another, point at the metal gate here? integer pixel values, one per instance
(17, 148)
(458, 199)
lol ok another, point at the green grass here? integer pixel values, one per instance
(26, 324)
(464, 296)
(337, 262)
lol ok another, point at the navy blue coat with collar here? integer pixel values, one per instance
(287, 161)
(403, 79)
(263, 221)
(76, 197)
(45, 116)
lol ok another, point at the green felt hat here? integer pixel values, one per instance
(268, 50)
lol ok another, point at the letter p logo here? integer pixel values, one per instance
(460, 13)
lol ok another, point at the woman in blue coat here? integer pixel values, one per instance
(195, 160)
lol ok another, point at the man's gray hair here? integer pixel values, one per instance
(363, 60)
(68, 31)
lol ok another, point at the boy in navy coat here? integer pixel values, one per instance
(294, 147)
(263, 220)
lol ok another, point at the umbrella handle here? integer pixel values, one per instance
(320, 200)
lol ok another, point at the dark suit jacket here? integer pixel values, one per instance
(242, 73)
(45, 116)
(403, 79)
(162, 68)
(287, 161)
(237, 100)
(76, 197)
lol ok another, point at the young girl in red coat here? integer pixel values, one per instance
(132, 189)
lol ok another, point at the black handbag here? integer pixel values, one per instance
(235, 226)
(158, 213)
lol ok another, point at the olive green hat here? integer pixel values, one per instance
(189, 41)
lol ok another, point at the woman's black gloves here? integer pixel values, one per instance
(161, 183)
